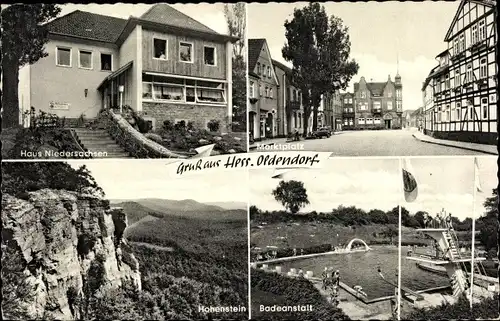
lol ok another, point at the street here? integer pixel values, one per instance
(379, 143)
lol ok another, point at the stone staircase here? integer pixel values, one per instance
(98, 140)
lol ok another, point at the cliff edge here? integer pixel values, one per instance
(69, 247)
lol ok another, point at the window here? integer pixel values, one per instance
(389, 105)
(361, 121)
(456, 48)
(106, 62)
(209, 56)
(475, 37)
(457, 77)
(447, 82)
(159, 48)
(398, 105)
(369, 121)
(376, 105)
(258, 68)
(484, 107)
(267, 92)
(482, 30)
(271, 92)
(398, 93)
(269, 72)
(377, 120)
(458, 111)
(351, 121)
(346, 122)
(185, 51)
(483, 69)
(260, 90)
(346, 100)
(183, 90)
(85, 59)
(350, 100)
(462, 42)
(63, 57)
(469, 76)
(363, 94)
(252, 88)
(389, 94)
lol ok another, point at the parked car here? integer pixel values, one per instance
(322, 132)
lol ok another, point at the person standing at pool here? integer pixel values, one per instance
(301, 251)
(301, 273)
(294, 251)
(324, 276)
(448, 221)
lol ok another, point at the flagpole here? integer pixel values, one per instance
(399, 244)
(473, 233)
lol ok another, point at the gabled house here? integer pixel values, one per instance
(348, 114)
(464, 82)
(164, 65)
(290, 106)
(263, 91)
(378, 105)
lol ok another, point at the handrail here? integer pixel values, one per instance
(80, 147)
(125, 125)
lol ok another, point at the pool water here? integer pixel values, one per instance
(361, 269)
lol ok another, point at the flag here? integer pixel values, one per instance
(278, 172)
(409, 182)
(204, 151)
(477, 181)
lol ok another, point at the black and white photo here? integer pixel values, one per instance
(123, 80)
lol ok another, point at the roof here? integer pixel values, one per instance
(487, 3)
(87, 25)
(375, 88)
(429, 77)
(283, 67)
(92, 26)
(164, 14)
(254, 48)
(115, 74)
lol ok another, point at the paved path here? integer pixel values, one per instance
(386, 143)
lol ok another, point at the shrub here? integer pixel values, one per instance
(213, 125)
(190, 125)
(180, 125)
(154, 137)
(167, 125)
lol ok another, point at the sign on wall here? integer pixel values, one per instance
(58, 105)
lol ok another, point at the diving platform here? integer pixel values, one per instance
(442, 262)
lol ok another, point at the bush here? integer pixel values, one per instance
(154, 137)
(213, 125)
(295, 292)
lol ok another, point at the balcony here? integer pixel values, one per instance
(293, 105)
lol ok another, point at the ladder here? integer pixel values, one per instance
(460, 278)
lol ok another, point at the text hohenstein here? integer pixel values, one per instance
(221, 309)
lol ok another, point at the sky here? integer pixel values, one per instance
(443, 182)
(211, 15)
(136, 179)
(488, 180)
(380, 33)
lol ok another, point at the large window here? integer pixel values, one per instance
(270, 92)
(361, 121)
(376, 105)
(185, 51)
(482, 30)
(209, 56)
(456, 48)
(469, 74)
(398, 93)
(458, 111)
(483, 69)
(106, 62)
(457, 77)
(252, 90)
(183, 90)
(475, 37)
(85, 59)
(447, 82)
(462, 42)
(159, 48)
(269, 72)
(389, 105)
(484, 107)
(63, 57)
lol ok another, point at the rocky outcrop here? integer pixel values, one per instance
(59, 236)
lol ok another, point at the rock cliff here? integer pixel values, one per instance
(60, 238)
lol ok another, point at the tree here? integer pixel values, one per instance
(291, 194)
(318, 46)
(253, 211)
(390, 232)
(488, 224)
(235, 15)
(23, 38)
(420, 218)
